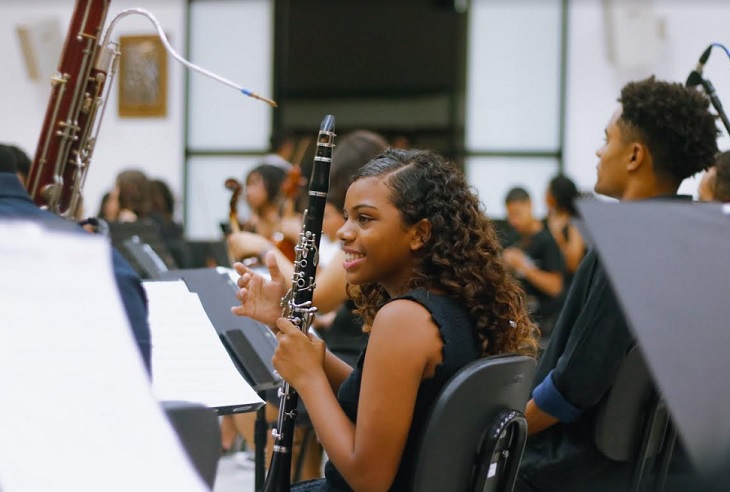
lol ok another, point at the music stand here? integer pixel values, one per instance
(666, 262)
(208, 254)
(143, 247)
(250, 343)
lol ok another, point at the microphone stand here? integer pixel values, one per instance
(710, 90)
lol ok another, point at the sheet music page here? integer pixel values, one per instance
(189, 361)
(71, 378)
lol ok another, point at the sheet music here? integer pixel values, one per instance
(189, 361)
(71, 378)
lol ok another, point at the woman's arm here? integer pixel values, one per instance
(404, 347)
(550, 283)
(573, 248)
(336, 370)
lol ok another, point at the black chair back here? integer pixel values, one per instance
(632, 422)
(476, 432)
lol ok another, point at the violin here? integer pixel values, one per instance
(289, 191)
(236, 189)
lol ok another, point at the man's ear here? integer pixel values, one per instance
(421, 234)
(639, 153)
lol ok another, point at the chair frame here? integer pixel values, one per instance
(633, 424)
(476, 431)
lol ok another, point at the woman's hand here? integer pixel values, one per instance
(247, 244)
(261, 298)
(299, 357)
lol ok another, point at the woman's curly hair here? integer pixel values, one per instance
(674, 122)
(462, 257)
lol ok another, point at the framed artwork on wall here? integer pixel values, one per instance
(142, 77)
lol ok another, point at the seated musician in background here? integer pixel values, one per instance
(266, 202)
(22, 162)
(715, 183)
(108, 208)
(162, 213)
(15, 203)
(564, 223)
(427, 274)
(660, 134)
(131, 193)
(536, 260)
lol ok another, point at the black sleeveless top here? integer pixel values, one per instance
(460, 348)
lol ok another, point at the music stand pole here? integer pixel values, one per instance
(260, 430)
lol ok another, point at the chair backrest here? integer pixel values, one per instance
(476, 432)
(633, 425)
(627, 408)
(199, 432)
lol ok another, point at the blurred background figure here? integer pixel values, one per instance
(715, 183)
(131, 194)
(270, 195)
(108, 208)
(564, 224)
(22, 163)
(535, 260)
(162, 213)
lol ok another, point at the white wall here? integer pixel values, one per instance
(155, 145)
(594, 83)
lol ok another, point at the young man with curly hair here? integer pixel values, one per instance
(660, 134)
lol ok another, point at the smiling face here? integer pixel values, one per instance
(379, 247)
(614, 156)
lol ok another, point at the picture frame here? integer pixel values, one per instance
(142, 77)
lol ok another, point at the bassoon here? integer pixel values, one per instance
(297, 304)
(66, 142)
(75, 108)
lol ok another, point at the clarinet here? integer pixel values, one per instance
(297, 304)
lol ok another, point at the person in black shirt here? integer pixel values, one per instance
(535, 258)
(660, 134)
(565, 224)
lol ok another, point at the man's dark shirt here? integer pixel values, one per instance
(578, 367)
(15, 203)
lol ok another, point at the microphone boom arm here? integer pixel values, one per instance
(710, 90)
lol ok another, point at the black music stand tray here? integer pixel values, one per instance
(250, 344)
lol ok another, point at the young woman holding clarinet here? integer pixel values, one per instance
(424, 266)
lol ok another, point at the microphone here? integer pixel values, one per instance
(695, 77)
